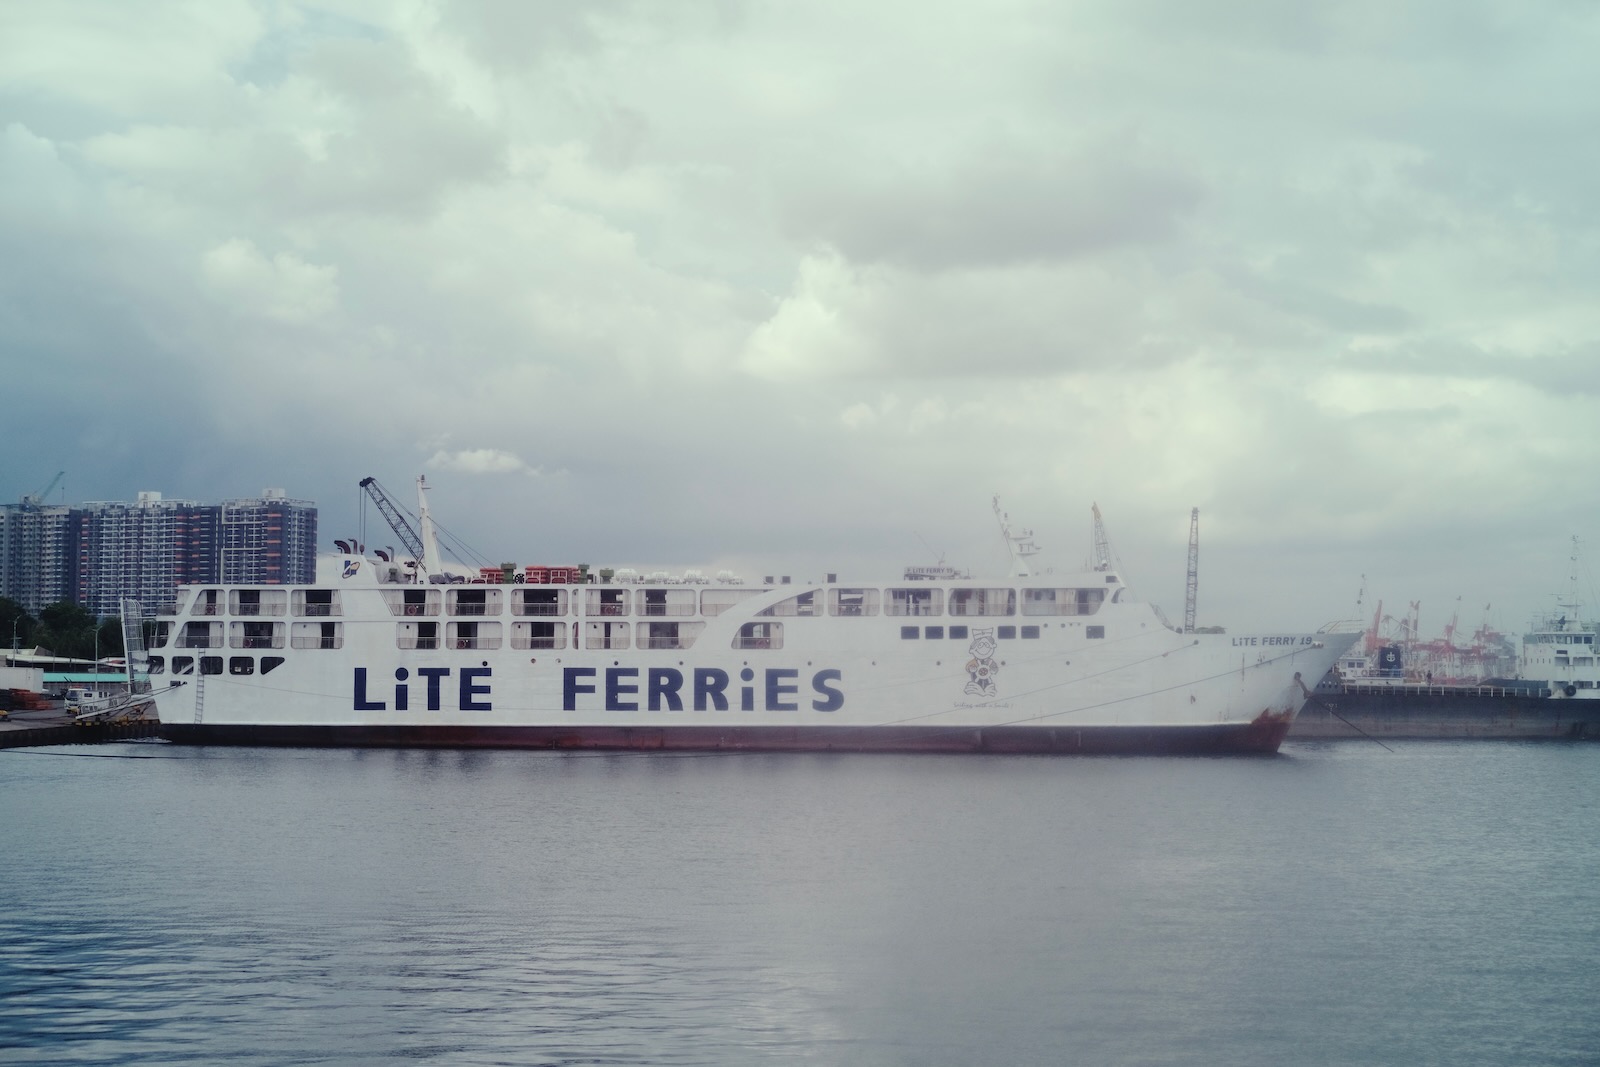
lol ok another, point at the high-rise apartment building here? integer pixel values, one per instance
(105, 551)
(268, 541)
(143, 550)
(38, 553)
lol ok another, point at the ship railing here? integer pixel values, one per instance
(255, 641)
(664, 642)
(477, 642)
(1426, 689)
(527, 642)
(316, 641)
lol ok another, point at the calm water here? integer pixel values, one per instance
(1339, 904)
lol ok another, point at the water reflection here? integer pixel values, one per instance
(315, 906)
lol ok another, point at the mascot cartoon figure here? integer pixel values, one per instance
(982, 668)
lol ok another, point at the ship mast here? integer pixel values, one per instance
(430, 541)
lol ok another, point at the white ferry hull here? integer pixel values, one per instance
(884, 683)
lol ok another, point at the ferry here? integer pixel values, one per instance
(388, 651)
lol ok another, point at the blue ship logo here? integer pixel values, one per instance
(350, 567)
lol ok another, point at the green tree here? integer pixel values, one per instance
(67, 629)
(15, 621)
(110, 637)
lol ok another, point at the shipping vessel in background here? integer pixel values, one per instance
(1391, 683)
(390, 649)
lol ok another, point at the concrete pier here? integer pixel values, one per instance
(55, 726)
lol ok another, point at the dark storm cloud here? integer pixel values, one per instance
(771, 276)
(997, 205)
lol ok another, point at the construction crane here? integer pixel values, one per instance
(397, 522)
(33, 500)
(1192, 589)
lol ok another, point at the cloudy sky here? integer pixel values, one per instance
(799, 287)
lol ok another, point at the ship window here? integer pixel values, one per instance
(1062, 601)
(255, 634)
(669, 634)
(157, 665)
(934, 633)
(607, 635)
(667, 601)
(473, 601)
(419, 634)
(852, 602)
(915, 602)
(182, 664)
(201, 635)
(210, 664)
(958, 633)
(256, 601)
(543, 601)
(270, 663)
(209, 602)
(472, 635)
(316, 602)
(538, 635)
(1006, 633)
(608, 602)
(909, 633)
(983, 601)
(1030, 633)
(799, 604)
(759, 635)
(412, 601)
(241, 665)
(1094, 631)
(715, 601)
(318, 635)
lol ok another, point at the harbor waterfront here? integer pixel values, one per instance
(1338, 904)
